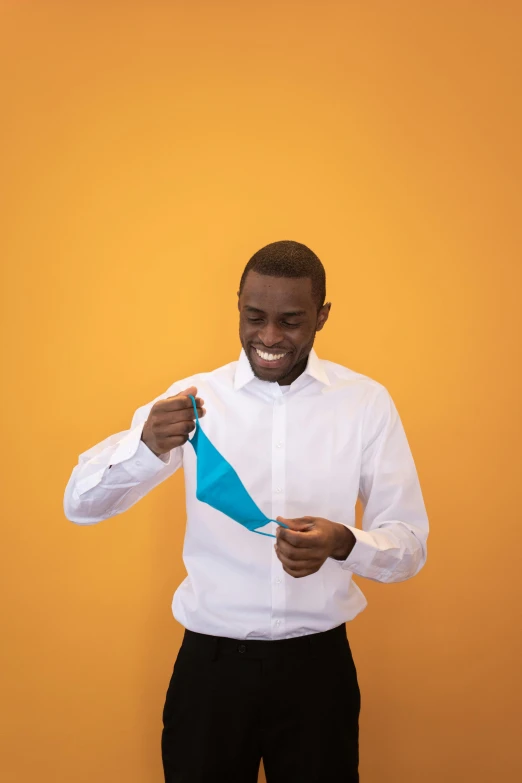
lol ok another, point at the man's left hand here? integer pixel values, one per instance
(309, 541)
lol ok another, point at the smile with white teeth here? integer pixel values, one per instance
(269, 357)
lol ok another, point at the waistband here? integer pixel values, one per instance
(211, 647)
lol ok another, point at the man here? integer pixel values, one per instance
(265, 668)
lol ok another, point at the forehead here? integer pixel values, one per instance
(283, 294)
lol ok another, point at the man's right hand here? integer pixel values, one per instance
(170, 422)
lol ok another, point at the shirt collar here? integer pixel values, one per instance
(314, 368)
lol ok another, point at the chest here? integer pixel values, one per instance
(307, 447)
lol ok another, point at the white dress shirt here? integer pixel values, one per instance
(308, 449)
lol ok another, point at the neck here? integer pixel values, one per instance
(295, 373)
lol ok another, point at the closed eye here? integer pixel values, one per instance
(285, 324)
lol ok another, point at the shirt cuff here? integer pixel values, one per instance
(140, 462)
(363, 551)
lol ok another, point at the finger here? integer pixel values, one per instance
(297, 565)
(301, 523)
(294, 538)
(297, 572)
(167, 444)
(193, 393)
(185, 393)
(175, 404)
(176, 428)
(179, 403)
(293, 552)
(184, 414)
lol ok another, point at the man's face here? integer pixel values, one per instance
(278, 319)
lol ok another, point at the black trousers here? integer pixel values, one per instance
(292, 702)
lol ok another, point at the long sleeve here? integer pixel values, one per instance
(113, 475)
(391, 546)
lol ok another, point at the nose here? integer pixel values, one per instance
(270, 335)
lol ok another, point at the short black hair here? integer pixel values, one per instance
(289, 259)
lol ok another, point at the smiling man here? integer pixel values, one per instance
(265, 669)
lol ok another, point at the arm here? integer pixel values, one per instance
(115, 474)
(391, 547)
(112, 476)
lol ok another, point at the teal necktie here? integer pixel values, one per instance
(219, 485)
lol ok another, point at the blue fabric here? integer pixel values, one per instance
(219, 485)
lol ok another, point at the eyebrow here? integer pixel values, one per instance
(291, 314)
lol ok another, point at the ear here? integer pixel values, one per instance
(238, 294)
(322, 316)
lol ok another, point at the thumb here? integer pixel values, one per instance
(300, 524)
(187, 392)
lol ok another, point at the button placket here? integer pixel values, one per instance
(278, 509)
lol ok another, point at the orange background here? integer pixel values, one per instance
(147, 150)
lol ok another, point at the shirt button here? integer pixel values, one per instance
(278, 581)
(279, 489)
(279, 445)
(242, 648)
(138, 463)
(278, 622)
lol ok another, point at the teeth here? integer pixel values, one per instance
(269, 357)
